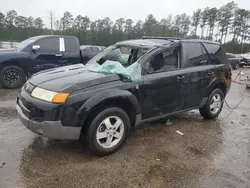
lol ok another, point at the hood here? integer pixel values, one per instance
(7, 50)
(70, 78)
(246, 56)
(11, 52)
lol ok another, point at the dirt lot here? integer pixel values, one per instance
(209, 154)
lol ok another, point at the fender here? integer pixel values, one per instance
(92, 102)
(213, 84)
(13, 57)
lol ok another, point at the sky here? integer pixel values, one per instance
(94, 9)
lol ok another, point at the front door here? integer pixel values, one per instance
(48, 56)
(163, 85)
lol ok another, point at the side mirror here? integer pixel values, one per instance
(36, 47)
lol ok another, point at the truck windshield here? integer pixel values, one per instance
(26, 42)
(125, 55)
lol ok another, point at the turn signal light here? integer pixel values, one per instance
(60, 98)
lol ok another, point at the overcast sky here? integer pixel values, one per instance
(134, 9)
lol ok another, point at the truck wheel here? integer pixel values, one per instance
(12, 77)
(214, 105)
(107, 131)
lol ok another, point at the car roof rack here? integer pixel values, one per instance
(163, 38)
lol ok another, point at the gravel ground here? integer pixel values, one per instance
(209, 154)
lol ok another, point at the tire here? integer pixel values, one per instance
(236, 66)
(12, 77)
(207, 111)
(97, 127)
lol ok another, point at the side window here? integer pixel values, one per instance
(88, 49)
(194, 54)
(95, 49)
(217, 54)
(163, 61)
(206, 59)
(70, 45)
(49, 45)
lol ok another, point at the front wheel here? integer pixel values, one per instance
(12, 77)
(214, 105)
(107, 131)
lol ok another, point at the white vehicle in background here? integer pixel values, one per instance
(247, 76)
(245, 59)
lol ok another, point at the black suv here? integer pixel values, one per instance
(143, 80)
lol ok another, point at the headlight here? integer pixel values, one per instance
(49, 96)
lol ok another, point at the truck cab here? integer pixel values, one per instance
(36, 54)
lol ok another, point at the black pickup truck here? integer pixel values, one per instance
(39, 53)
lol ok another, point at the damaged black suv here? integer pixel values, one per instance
(126, 84)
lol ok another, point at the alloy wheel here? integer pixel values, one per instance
(11, 77)
(215, 104)
(110, 132)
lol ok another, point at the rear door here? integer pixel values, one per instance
(221, 70)
(87, 54)
(49, 55)
(199, 68)
(71, 52)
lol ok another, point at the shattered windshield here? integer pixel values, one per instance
(121, 60)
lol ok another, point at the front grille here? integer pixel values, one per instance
(36, 115)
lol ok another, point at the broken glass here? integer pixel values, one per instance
(133, 72)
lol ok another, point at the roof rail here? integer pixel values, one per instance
(163, 38)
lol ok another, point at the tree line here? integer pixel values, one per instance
(217, 24)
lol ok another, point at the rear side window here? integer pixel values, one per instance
(194, 54)
(49, 45)
(216, 52)
(95, 49)
(70, 45)
(87, 49)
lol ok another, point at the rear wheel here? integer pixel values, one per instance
(107, 131)
(214, 105)
(12, 77)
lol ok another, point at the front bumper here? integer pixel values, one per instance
(50, 129)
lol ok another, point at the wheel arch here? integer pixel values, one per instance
(113, 98)
(14, 63)
(217, 84)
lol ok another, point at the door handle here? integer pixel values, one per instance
(180, 77)
(58, 55)
(203, 61)
(63, 61)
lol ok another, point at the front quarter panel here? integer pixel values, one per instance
(84, 103)
(17, 58)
